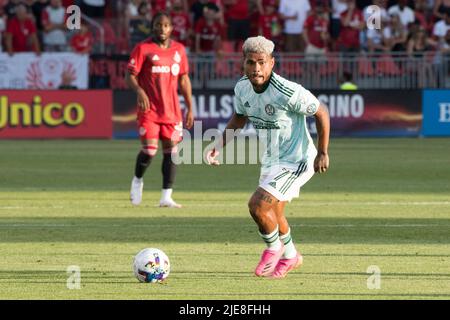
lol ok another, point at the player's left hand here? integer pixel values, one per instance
(189, 121)
(211, 157)
(321, 163)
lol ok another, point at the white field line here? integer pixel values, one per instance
(202, 225)
(243, 204)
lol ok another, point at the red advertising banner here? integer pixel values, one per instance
(55, 114)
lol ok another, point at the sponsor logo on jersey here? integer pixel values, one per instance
(155, 58)
(264, 125)
(273, 184)
(270, 109)
(161, 69)
(246, 104)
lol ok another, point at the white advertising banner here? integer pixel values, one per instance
(46, 71)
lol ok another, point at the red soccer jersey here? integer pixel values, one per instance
(157, 70)
(82, 42)
(349, 37)
(181, 25)
(21, 32)
(208, 34)
(158, 5)
(270, 25)
(238, 11)
(316, 26)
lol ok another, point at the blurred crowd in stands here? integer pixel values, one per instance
(219, 26)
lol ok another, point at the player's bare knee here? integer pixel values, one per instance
(255, 206)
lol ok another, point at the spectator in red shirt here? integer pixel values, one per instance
(197, 7)
(352, 22)
(207, 40)
(158, 5)
(21, 33)
(166, 5)
(237, 15)
(68, 3)
(181, 23)
(421, 16)
(82, 41)
(316, 30)
(207, 32)
(270, 23)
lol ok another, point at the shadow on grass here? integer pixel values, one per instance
(222, 230)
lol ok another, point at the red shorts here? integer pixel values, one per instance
(159, 131)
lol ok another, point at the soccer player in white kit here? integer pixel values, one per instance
(277, 108)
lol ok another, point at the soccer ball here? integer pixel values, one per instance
(151, 265)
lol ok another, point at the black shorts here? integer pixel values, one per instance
(335, 28)
(238, 29)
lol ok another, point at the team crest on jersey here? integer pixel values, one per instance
(175, 69)
(132, 62)
(177, 57)
(311, 109)
(270, 109)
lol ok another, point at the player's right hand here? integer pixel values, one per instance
(142, 100)
(211, 157)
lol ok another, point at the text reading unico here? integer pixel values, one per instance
(51, 114)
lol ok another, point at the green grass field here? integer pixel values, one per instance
(384, 202)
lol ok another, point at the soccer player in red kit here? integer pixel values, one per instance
(156, 67)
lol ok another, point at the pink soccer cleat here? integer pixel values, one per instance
(269, 260)
(286, 265)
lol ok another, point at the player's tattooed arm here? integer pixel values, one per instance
(236, 122)
(142, 98)
(322, 162)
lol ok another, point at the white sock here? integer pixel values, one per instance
(289, 248)
(272, 240)
(166, 194)
(138, 179)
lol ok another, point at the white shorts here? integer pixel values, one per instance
(284, 182)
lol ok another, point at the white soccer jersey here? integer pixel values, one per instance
(279, 116)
